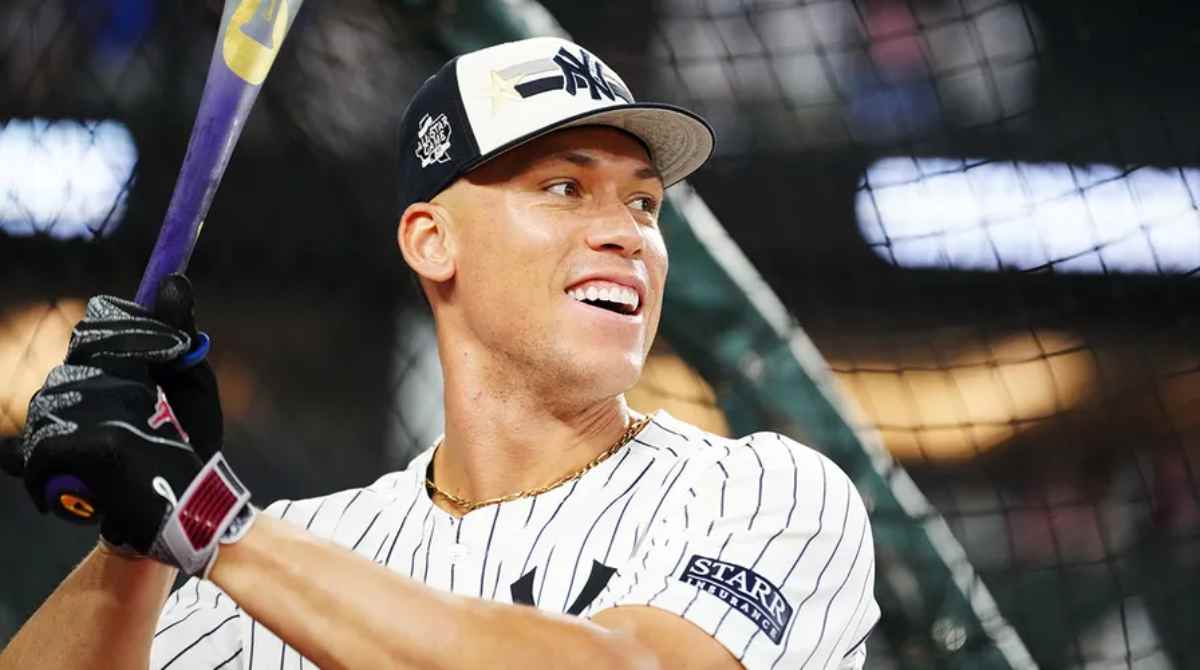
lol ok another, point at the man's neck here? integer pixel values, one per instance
(506, 440)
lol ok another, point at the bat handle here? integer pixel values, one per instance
(71, 499)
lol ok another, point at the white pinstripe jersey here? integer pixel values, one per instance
(761, 542)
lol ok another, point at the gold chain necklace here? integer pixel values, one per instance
(472, 505)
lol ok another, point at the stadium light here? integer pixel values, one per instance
(67, 179)
(955, 214)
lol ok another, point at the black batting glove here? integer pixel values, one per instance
(106, 436)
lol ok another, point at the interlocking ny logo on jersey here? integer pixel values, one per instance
(522, 589)
(433, 140)
(744, 590)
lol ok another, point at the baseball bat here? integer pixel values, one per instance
(250, 35)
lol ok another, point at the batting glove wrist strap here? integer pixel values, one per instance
(215, 508)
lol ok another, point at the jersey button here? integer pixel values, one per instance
(458, 552)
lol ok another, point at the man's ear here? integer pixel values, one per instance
(425, 241)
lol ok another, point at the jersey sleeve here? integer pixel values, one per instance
(769, 551)
(200, 627)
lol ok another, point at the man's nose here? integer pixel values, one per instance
(616, 229)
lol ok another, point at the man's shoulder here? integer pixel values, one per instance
(328, 515)
(717, 455)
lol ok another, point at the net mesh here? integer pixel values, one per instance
(981, 212)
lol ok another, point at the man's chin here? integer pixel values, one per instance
(607, 375)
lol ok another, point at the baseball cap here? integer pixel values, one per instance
(484, 103)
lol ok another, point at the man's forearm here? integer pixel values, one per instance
(103, 614)
(341, 610)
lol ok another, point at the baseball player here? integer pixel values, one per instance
(551, 526)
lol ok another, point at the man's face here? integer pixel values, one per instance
(560, 263)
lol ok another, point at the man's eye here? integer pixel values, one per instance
(645, 203)
(567, 188)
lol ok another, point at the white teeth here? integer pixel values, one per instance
(618, 294)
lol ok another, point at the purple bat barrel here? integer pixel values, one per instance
(224, 107)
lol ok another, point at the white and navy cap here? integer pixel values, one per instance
(481, 104)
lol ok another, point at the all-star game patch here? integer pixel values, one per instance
(744, 590)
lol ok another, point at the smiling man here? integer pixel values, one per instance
(552, 526)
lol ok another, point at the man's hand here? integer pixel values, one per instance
(114, 415)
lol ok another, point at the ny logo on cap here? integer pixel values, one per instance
(564, 72)
(433, 140)
(577, 72)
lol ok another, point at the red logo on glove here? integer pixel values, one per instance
(164, 414)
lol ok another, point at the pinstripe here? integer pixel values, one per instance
(820, 519)
(546, 575)
(412, 565)
(320, 506)
(496, 584)
(854, 621)
(795, 497)
(176, 623)
(457, 540)
(195, 642)
(762, 473)
(416, 495)
(366, 530)
(487, 549)
(861, 640)
(624, 455)
(532, 504)
(681, 465)
(253, 624)
(347, 507)
(637, 440)
(668, 430)
(382, 541)
(428, 548)
(617, 527)
(229, 660)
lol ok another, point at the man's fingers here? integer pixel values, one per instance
(147, 341)
(175, 304)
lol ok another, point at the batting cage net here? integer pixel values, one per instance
(952, 244)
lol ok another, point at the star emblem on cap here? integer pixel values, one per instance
(502, 91)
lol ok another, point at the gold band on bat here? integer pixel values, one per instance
(252, 39)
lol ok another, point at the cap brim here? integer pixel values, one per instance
(679, 141)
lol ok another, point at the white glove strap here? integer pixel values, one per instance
(207, 509)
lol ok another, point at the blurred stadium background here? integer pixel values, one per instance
(969, 245)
